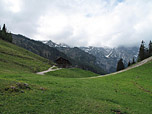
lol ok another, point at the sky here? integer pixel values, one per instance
(98, 23)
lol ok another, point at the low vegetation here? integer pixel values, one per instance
(72, 73)
(22, 91)
(15, 59)
(5, 35)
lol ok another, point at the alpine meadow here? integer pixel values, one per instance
(75, 57)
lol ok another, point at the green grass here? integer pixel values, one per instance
(54, 67)
(129, 92)
(72, 73)
(15, 59)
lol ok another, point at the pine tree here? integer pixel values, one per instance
(146, 53)
(141, 55)
(0, 33)
(4, 35)
(129, 63)
(9, 37)
(150, 49)
(120, 65)
(4, 28)
(3, 32)
(133, 61)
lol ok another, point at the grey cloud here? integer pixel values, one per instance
(91, 22)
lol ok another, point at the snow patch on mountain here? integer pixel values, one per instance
(106, 57)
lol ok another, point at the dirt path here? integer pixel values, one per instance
(49, 70)
(134, 66)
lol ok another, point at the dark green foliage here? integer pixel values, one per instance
(150, 48)
(4, 35)
(129, 63)
(141, 55)
(120, 65)
(145, 52)
(133, 61)
(4, 28)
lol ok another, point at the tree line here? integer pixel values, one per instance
(4, 34)
(143, 54)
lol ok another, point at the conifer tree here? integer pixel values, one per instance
(133, 61)
(0, 33)
(141, 55)
(150, 49)
(3, 32)
(4, 35)
(120, 65)
(4, 28)
(129, 63)
(9, 37)
(146, 53)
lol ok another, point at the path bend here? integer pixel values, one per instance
(131, 67)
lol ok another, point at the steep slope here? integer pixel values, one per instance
(38, 47)
(18, 59)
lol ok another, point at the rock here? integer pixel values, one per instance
(22, 91)
(13, 89)
(41, 88)
(6, 89)
(23, 86)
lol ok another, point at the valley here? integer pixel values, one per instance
(105, 57)
(68, 90)
(75, 56)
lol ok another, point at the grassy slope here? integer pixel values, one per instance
(18, 59)
(72, 73)
(128, 92)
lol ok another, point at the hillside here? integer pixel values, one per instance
(18, 59)
(86, 61)
(37, 47)
(22, 91)
(105, 57)
(83, 60)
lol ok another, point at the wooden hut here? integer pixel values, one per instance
(64, 63)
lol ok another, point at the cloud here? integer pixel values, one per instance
(80, 22)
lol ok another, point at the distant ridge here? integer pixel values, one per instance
(52, 53)
(106, 57)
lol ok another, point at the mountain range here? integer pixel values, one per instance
(76, 56)
(97, 59)
(106, 57)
